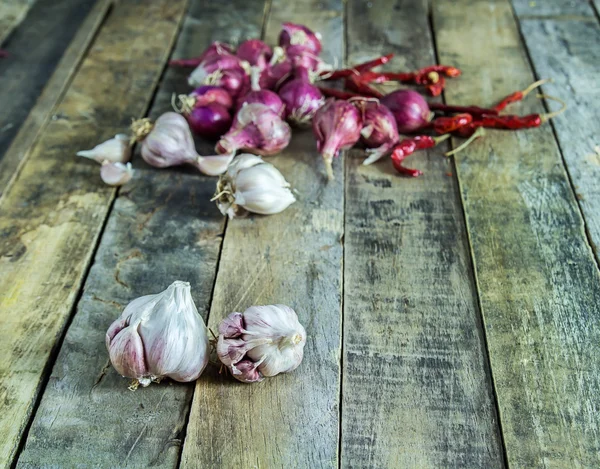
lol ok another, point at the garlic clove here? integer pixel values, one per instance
(232, 326)
(246, 371)
(126, 352)
(116, 174)
(265, 202)
(214, 165)
(231, 351)
(114, 329)
(115, 150)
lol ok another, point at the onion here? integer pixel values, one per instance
(266, 97)
(255, 52)
(301, 100)
(409, 108)
(299, 35)
(209, 94)
(274, 76)
(379, 132)
(306, 65)
(256, 129)
(210, 121)
(336, 126)
(206, 73)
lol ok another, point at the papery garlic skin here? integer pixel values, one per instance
(159, 336)
(116, 174)
(115, 150)
(252, 185)
(261, 342)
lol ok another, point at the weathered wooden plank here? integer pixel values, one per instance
(12, 13)
(293, 258)
(163, 227)
(569, 52)
(416, 392)
(35, 78)
(557, 8)
(51, 216)
(596, 4)
(538, 283)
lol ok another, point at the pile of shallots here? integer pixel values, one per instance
(246, 98)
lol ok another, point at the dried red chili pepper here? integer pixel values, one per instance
(473, 110)
(354, 83)
(518, 95)
(447, 70)
(435, 88)
(408, 146)
(357, 69)
(444, 125)
(383, 77)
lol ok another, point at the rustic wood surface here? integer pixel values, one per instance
(538, 282)
(294, 258)
(48, 231)
(12, 13)
(154, 215)
(567, 51)
(451, 318)
(414, 358)
(46, 52)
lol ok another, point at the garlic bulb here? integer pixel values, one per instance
(115, 150)
(159, 336)
(169, 142)
(251, 185)
(262, 341)
(116, 174)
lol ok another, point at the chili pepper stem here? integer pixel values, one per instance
(535, 85)
(550, 115)
(441, 138)
(480, 132)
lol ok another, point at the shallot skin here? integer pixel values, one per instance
(299, 35)
(267, 97)
(409, 108)
(379, 132)
(301, 101)
(256, 52)
(336, 126)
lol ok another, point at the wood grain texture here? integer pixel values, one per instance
(163, 227)
(293, 258)
(35, 78)
(556, 8)
(568, 51)
(53, 213)
(416, 392)
(538, 283)
(12, 13)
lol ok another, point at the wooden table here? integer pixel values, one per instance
(453, 319)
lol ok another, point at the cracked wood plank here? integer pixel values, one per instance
(163, 227)
(568, 51)
(537, 279)
(51, 216)
(290, 420)
(34, 78)
(416, 388)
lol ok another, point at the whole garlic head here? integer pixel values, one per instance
(251, 185)
(262, 341)
(159, 336)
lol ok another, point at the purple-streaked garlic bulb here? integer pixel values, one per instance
(263, 341)
(257, 129)
(159, 336)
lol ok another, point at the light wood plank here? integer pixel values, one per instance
(163, 227)
(12, 13)
(35, 78)
(53, 213)
(555, 8)
(569, 52)
(293, 258)
(416, 392)
(538, 283)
